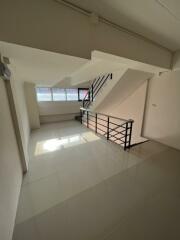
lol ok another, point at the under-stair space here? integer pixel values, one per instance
(121, 94)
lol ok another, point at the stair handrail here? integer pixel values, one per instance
(94, 88)
(123, 131)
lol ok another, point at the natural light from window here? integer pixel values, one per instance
(56, 144)
(47, 94)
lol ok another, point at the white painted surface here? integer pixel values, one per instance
(125, 62)
(80, 187)
(53, 108)
(40, 67)
(51, 26)
(107, 87)
(94, 69)
(32, 106)
(58, 117)
(67, 159)
(176, 61)
(136, 15)
(103, 63)
(10, 169)
(126, 100)
(162, 119)
(58, 111)
(22, 114)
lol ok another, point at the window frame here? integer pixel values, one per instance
(45, 100)
(67, 96)
(59, 100)
(80, 100)
(65, 90)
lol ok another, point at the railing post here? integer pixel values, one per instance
(108, 129)
(87, 119)
(96, 124)
(92, 93)
(125, 139)
(81, 116)
(130, 133)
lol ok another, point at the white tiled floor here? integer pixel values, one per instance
(81, 187)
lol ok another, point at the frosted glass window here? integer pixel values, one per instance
(43, 94)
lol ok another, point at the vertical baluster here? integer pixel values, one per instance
(125, 139)
(81, 116)
(108, 129)
(92, 93)
(130, 133)
(87, 119)
(96, 124)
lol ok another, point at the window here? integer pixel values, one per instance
(82, 93)
(59, 94)
(43, 94)
(56, 94)
(72, 94)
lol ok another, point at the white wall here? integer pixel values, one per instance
(10, 169)
(32, 106)
(50, 26)
(22, 114)
(176, 61)
(127, 100)
(162, 118)
(57, 111)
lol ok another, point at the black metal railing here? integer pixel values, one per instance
(95, 88)
(115, 129)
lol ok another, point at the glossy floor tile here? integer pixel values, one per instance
(79, 186)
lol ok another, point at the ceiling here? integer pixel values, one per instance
(158, 20)
(39, 66)
(46, 68)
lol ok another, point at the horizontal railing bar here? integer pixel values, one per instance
(124, 136)
(125, 120)
(114, 129)
(92, 120)
(114, 134)
(91, 115)
(101, 125)
(101, 129)
(122, 131)
(105, 120)
(110, 135)
(116, 124)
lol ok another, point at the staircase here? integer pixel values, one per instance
(94, 89)
(115, 129)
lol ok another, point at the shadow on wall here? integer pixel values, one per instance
(127, 100)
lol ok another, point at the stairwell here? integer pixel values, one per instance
(120, 94)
